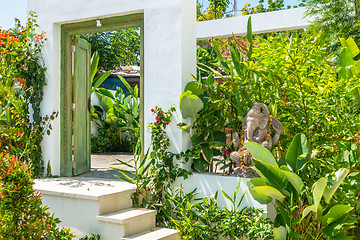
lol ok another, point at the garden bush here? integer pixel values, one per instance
(117, 119)
(22, 78)
(204, 219)
(22, 215)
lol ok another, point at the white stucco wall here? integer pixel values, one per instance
(169, 54)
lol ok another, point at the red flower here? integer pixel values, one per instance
(227, 152)
(167, 123)
(152, 110)
(21, 81)
(19, 134)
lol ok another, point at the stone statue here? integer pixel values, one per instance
(257, 128)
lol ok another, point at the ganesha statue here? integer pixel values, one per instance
(260, 127)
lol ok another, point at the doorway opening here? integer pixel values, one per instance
(102, 97)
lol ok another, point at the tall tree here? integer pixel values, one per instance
(336, 18)
(215, 10)
(115, 48)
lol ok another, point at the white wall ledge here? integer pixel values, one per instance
(282, 20)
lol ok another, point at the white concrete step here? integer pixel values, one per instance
(134, 220)
(156, 234)
(78, 201)
(111, 195)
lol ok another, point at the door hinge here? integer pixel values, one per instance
(73, 106)
(73, 165)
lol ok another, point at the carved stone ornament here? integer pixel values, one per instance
(258, 124)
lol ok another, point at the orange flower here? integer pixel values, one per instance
(19, 134)
(21, 81)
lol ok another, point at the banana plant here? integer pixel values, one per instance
(350, 68)
(118, 113)
(303, 212)
(96, 81)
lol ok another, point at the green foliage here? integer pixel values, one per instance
(22, 215)
(303, 212)
(156, 170)
(96, 81)
(118, 118)
(115, 48)
(225, 104)
(272, 5)
(215, 10)
(335, 18)
(205, 219)
(92, 237)
(140, 176)
(22, 79)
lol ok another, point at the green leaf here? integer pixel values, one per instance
(94, 64)
(351, 44)
(227, 196)
(269, 192)
(128, 87)
(318, 191)
(209, 79)
(280, 233)
(197, 139)
(99, 80)
(298, 153)
(200, 164)
(207, 153)
(190, 105)
(260, 153)
(340, 176)
(334, 213)
(184, 127)
(217, 50)
(295, 180)
(273, 176)
(195, 88)
(307, 210)
(106, 93)
(345, 60)
(249, 38)
(255, 182)
(219, 137)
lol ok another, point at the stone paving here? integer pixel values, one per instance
(101, 164)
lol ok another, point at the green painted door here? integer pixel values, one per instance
(81, 132)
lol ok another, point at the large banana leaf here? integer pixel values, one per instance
(298, 153)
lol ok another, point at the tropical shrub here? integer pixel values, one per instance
(304, 211)
(118, 117)
(205, 219)
(22, 215)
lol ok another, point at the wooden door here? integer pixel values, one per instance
(81, 94)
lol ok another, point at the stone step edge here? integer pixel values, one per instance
(127, 215)
(128, 189)
(157, 233)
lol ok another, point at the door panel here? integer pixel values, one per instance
(81, 113)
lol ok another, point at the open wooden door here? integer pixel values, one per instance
(81, 114)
